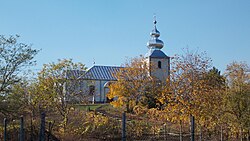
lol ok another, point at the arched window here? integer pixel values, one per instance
(91, 89)
(159, 64)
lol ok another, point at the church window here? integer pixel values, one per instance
(91, 89)
(159, 64)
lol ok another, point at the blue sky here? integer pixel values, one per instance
(110, 31)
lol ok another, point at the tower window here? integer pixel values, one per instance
(159, 64)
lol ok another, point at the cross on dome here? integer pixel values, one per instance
(154, 42)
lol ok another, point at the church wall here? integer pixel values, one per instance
(81, 90)
(100, 95)
(77, 91)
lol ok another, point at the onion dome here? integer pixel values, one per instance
(154, 42)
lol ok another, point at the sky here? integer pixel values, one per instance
(108, 32)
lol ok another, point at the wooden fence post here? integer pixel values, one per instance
(248, 135)
(31, 128)
(21, 136)
(123, 126)
(221, 133)
(42, 128)
(50, 130)
(5, 129)
(181, 136)
(165, 132)
(200, 133)
(192, 127)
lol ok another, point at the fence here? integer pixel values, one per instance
(166, 132)
(18, 131)
(143, 130)
(128, 129)
(163, 135)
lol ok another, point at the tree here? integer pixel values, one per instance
(238, 95)
(212, 111)
(134, 86)
(215, 79)
(56, 87)
(187, 78)
(189, 91)
(16, 102)
(15, 57)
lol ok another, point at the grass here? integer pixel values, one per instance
(91, 107)
(105, 109)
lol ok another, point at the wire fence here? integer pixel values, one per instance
(123, 128)
(26, 129)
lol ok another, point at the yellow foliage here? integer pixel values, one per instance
(134, 85)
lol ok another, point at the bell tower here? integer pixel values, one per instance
(156, 59)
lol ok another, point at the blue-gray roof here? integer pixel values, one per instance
(74, 74)
(156, 53)
(102, 73)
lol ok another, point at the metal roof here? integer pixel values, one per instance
(75, 74)
(102, 73)
(156, 53)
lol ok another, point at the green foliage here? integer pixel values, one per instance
(17, 101)
(215, 79)
(54, 88)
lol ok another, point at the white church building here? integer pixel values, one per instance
(97, 78)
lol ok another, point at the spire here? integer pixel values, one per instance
(154, 42)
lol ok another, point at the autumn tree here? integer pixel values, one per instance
(189, 90)
(212, 108)
(134, 86)
(238, 96)
(56, 87)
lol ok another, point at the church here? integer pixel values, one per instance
(97, 78)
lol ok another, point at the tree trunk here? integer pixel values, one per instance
(65, 123)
